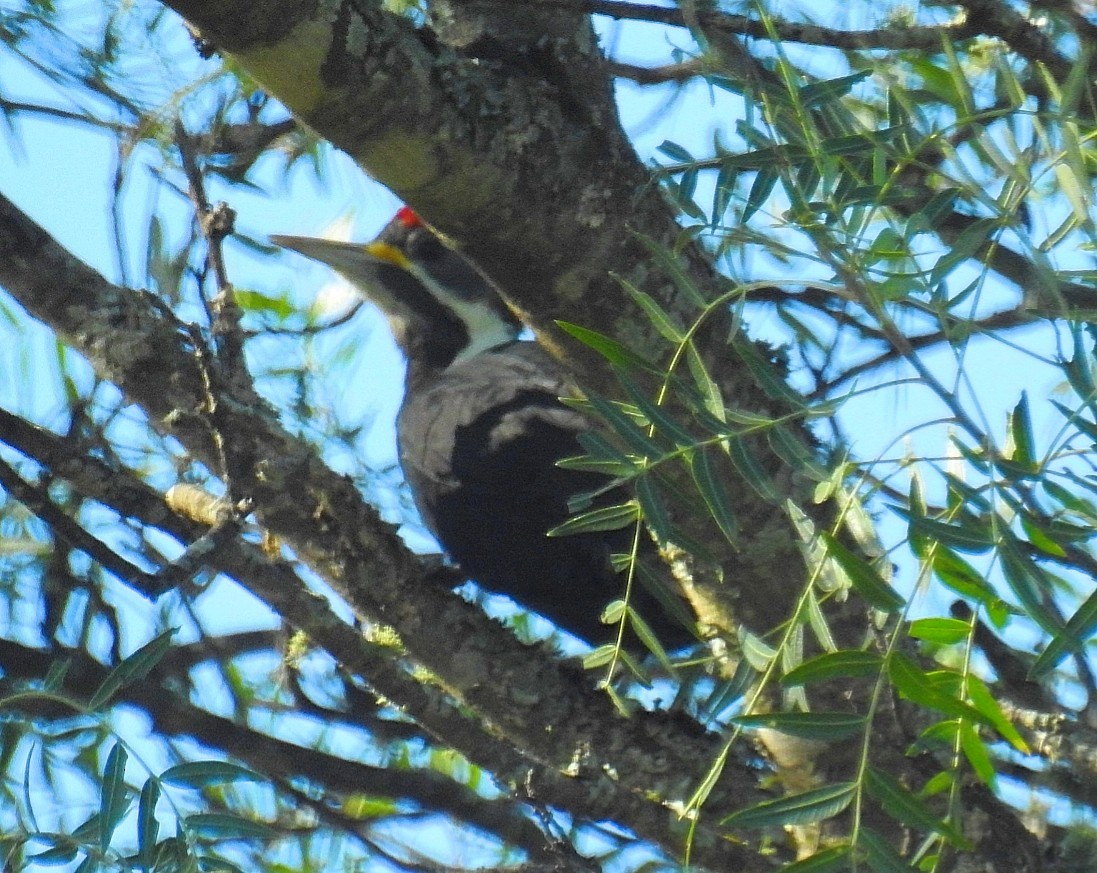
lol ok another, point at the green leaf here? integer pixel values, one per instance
(946, 631)
(601, 656)
(976, 752)
(818, 623)
(113, 803)
(134, 668)
(958, 575)
(654, 509)
(253, 301)
(649, 639)
(836, 859)
(613, 469)
(613, 351)
(915, 684)
(659, 317)
(747, 466)
(726, 693)
(216, 864)
(724, 190)
(57, 855)
(200, 774)
(971, 534)
(814, 805)
(967, 244)
(606, 518)
(710, 485)
(983, 700)
(706, 386)
(1029, 582)
(863, 576)
(831, 89)
(903, 805)
(765, 374)
(1042, 539)
(760, 190)
(1020, 447)
(880, 855)
(835, 665)
(658, 416)
(147, 825)
(617, 416)
(793, 450)
(1072, 502)
(217, 824)
(670, 265)
(675, 152)
(807, 725)
(1073, 638)
(757, 652)
(930, 216)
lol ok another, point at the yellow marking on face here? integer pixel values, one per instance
(388, 253)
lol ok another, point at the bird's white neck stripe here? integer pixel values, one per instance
(485, 326)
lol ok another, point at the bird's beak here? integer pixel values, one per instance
(350, 259)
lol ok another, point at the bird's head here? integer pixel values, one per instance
(439, 306)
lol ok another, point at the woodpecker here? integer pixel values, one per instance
(481, 430)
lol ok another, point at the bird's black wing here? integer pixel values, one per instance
(480, 443)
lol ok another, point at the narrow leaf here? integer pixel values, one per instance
(660, 319)
(976, 752)
(817, 804)
(1020, 446)
(132, 669)
(670, 265)
(904, 805)
(217, 824)
(147, 825)
(863, 576)
(982, 699)
(836, 859)
(113, 804)
(759, 191)
(914, 684)
(747, 466)
(654, 509)
(834, 665)
(659, 416)
(765, 374)
(946, 631)
(957, 574)
(1072, 638)
(200, 774)
(606, 518)
(808, 725)
(625, 427)
(880, 855)
(710, 486)
(613, 351)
